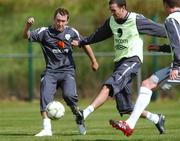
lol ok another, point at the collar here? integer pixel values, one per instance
(121, 21)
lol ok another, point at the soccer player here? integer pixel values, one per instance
(56, 41)
(126, 28)
(166, 75)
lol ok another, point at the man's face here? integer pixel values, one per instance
(60, 22)
(117, 12)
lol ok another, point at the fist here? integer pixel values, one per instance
(30, 21)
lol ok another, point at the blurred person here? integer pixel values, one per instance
(126, 28)
(165, 77)
(56, 45)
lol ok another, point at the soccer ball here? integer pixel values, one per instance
(55, 110)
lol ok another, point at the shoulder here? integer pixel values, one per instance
(72, 30)
(173, 16)
(40, 30)
(139, 16)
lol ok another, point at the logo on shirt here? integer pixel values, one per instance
(67, 36)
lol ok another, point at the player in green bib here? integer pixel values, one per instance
(126, 28)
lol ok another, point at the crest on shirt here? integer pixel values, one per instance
(67, 36)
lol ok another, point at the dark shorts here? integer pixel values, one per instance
(49, 84)
(120, 83)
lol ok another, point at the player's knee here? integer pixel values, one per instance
(148, 83)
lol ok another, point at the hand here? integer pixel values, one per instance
(174, 74)
(153, 48)
(30, 21)
(75, 43)
(95, 66)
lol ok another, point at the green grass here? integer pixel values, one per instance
(19, 121)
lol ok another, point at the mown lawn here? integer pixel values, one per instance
(19, 121)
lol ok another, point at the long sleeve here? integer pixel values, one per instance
(173, 31)
(149, 27)
(102, 33)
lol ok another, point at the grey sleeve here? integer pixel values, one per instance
(173, 31)
(37, 35)
(149, 27)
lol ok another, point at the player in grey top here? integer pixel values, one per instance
(126, 28)
(168, 75)
(56, 41)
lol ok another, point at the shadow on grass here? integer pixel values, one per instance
(105, 140)
(16, 134)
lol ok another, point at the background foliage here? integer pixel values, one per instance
(85, 16)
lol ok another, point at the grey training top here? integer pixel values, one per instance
(56, 47)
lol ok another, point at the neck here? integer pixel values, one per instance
(175, 9)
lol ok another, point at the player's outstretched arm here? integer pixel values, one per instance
(89, 52)
(29, 23)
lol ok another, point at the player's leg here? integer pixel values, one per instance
(145, 94)
(123, 90)
(98, 101)
(157, 119)
(68, 86)
(47, 91)
(113, 85)
(143, 99)
(125, 106)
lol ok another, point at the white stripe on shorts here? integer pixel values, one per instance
(126, 70)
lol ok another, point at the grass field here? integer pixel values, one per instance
(19, 121)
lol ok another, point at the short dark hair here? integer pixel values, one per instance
(172, 3)
(61, 11)
(120, 3)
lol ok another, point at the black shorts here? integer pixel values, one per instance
(120, 83)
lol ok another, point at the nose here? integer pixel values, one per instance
(61, 23)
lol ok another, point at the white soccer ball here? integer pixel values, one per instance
(55, 110)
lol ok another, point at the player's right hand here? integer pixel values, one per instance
(75, 43)
(153, 48)
(95, 66)
(30, 21)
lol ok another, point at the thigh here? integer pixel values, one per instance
(48, 85)
(68, 85)
(122, 75)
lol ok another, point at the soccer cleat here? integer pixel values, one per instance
(160, 124)
(123, 126)
(43, 133)
(80, 122)
(82, 129)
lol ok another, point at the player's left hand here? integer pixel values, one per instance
(95, 66)
(174, 74)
